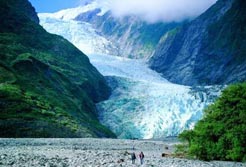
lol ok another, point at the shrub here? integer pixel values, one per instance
(221, 133)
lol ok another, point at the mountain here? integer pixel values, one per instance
(143, 104)
(133, 37)
(47, 86)
(126, 37)
(208, 50)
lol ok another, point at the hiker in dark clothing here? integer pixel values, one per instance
(141, 156)
(133, 157)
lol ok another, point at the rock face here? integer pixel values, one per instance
(208, 50)
(131, 36)
(47, 86)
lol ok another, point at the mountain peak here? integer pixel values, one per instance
(12, 9)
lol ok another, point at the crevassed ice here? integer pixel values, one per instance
(142, 104)
(81, 34)
(145, 105)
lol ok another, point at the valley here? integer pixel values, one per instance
(143, 104)
(88, 82)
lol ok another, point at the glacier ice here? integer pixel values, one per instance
(81, 34)
(143, 104)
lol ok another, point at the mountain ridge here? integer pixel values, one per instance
(47, 86)
(189, 55)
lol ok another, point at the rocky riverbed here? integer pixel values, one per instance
(94, 153)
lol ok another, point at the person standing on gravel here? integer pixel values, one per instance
(141, 156)
(133, 157)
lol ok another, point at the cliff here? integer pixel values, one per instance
(207, 50)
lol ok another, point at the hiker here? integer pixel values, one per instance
(141, 156)
(133, 157)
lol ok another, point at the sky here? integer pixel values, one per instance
(49, 6)
(149, 10)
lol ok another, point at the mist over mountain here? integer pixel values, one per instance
(127, 37)
(160, 10)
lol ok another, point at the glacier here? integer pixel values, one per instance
(81, 34)
(143, 104)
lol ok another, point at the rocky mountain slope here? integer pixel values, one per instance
(47, 86)
(133, 37)
(208, 50)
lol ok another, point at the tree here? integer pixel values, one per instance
(221, 133)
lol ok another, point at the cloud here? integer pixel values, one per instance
(160, 10)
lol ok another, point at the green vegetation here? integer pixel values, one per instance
(169, 34)
(221, 134)
(47, 86)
